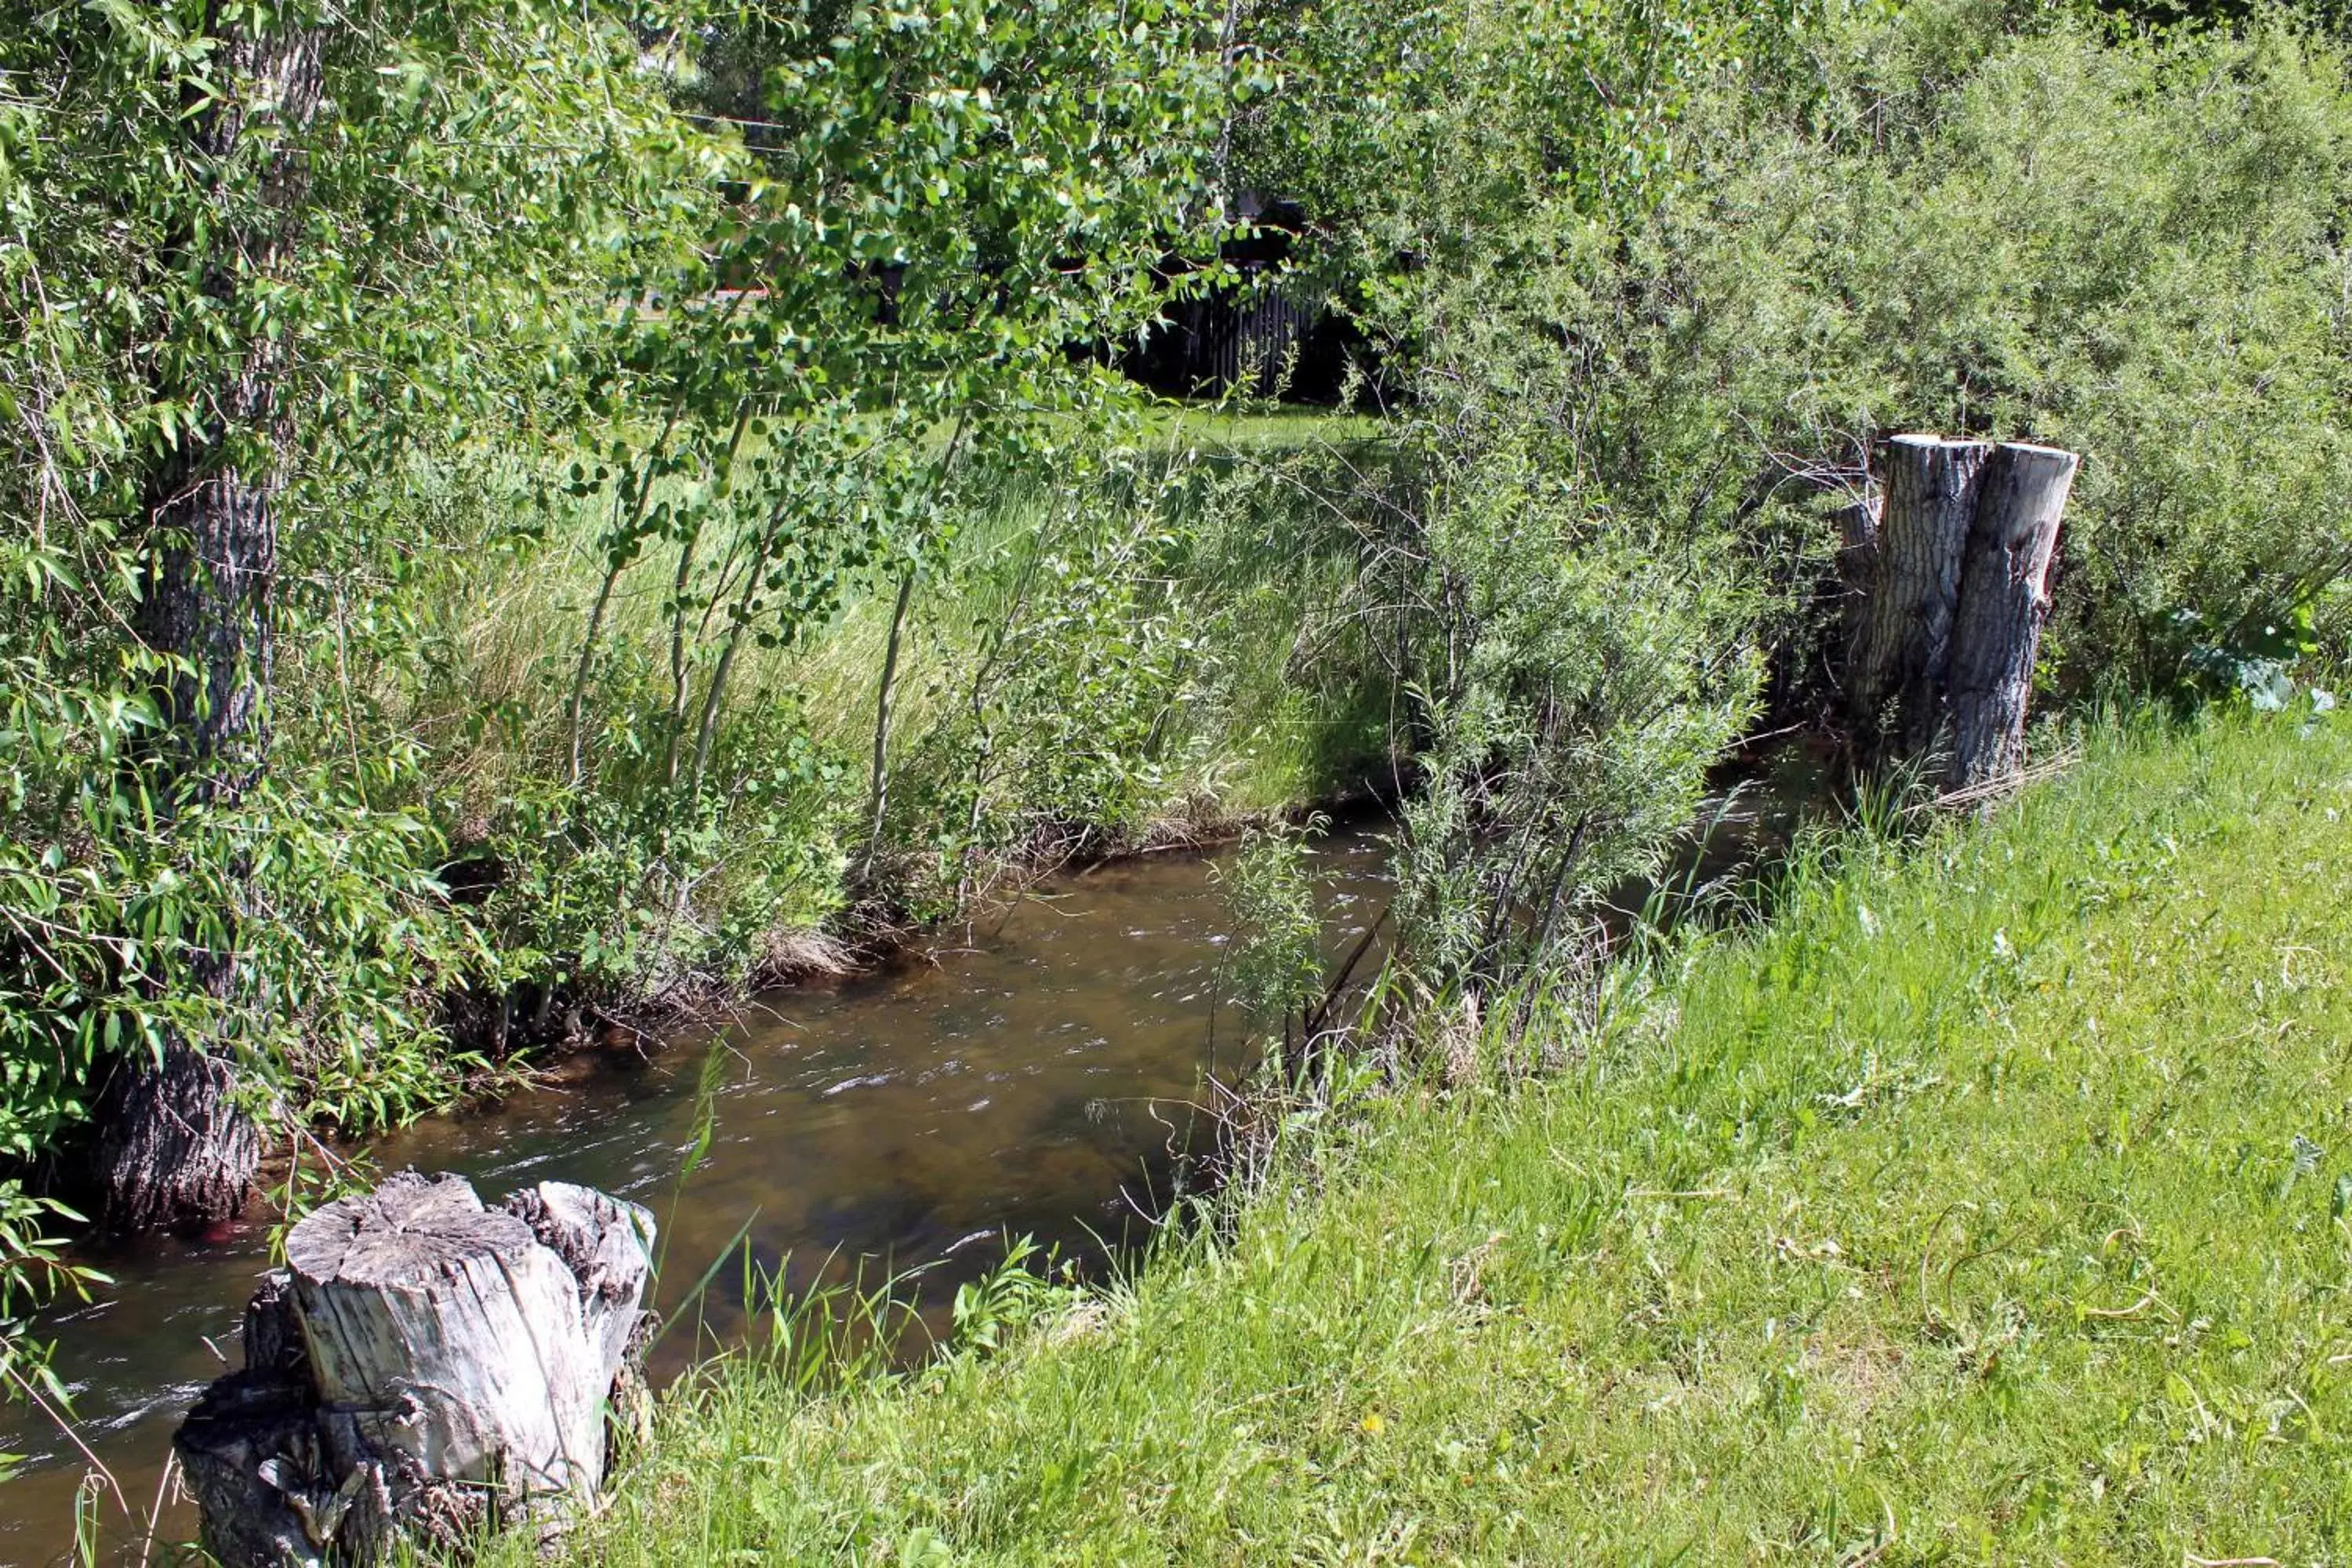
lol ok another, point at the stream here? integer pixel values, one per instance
(1035, 1077)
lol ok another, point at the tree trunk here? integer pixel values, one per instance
(208, 604)
(173, 1147)
(2004, 600)
(1902, 648)
(422, 1369)
(878, 789)
(1858, 561)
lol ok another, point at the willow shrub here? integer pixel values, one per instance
(480, 181)
(1649, 349)
(1978, 219)
(508, 294)
(1571, 652)
(1580, 668)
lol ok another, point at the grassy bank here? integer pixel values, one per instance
(1991, 1203)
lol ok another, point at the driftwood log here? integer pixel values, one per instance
(1953, 574)
(423, 1367)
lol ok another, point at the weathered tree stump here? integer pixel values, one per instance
(2004, 600)
(1857, 557)
(423, 1367)
(1903, 643)
(1954, 589)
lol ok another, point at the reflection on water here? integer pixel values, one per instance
(1035, 1083)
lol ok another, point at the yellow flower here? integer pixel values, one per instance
(1373, 1423)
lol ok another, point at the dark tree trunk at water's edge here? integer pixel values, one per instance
(172, 1146)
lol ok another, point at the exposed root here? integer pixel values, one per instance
(796, 957)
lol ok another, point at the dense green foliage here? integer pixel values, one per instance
(1835, 1262)
(1561, 696)
(869, 355)
(1950, 1217)
(1950, 221)
(1648, 350)
(727, 419)
(481, 177)
(506, 296)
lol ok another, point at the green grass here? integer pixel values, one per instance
(1991, 1205)
(1254, 426)
(513, 643)
(1156, 634)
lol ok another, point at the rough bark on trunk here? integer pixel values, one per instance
(2004, 600)
(1953, 591)
(1902, 647)
(208, 604)
(1857, 560)
(173, 1147)
(422, 1369)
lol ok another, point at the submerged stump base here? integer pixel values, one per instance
(427, 1368)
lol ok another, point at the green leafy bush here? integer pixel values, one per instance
(470, 290)
(1571, 642)
(1966, 218)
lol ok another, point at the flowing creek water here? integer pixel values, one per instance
(1037, 1079)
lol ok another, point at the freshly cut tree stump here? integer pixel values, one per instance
(423, 1367)
(2004, 600)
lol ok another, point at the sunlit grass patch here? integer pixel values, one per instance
(1991, 1203)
